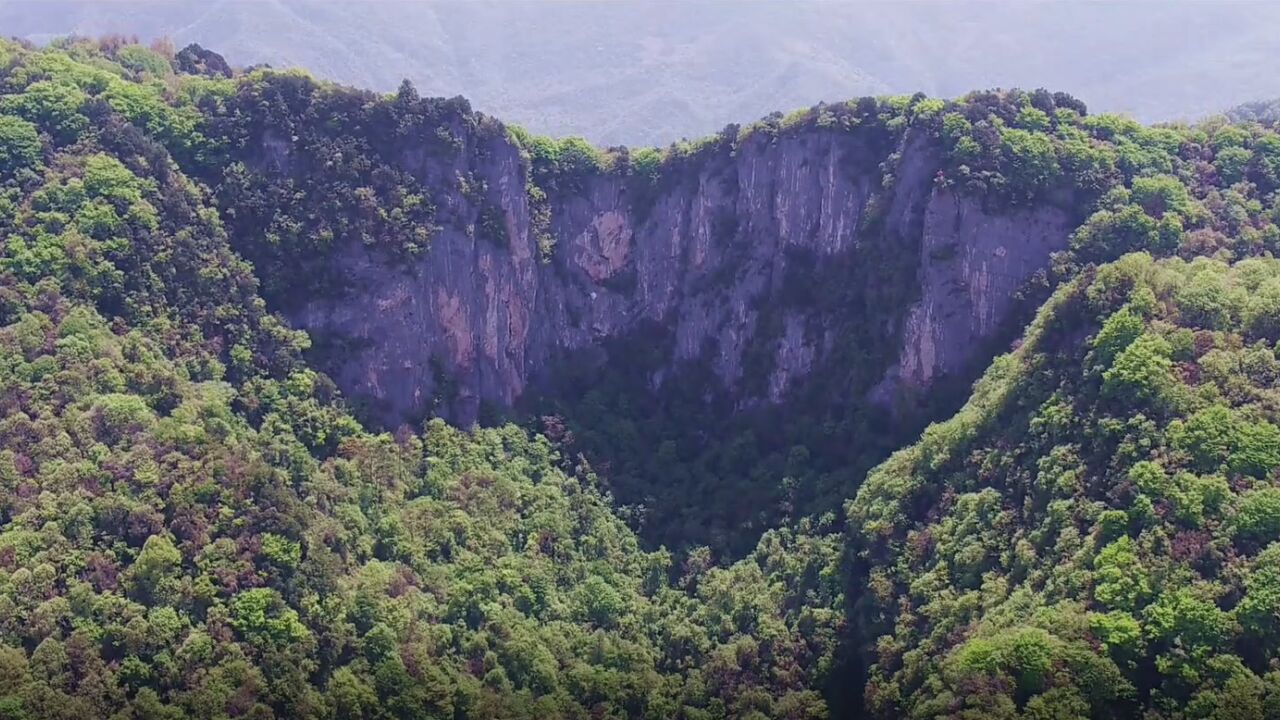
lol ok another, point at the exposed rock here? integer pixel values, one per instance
(476, 321)
(971, 264)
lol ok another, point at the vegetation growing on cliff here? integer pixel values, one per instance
(1207, 190)
(193, 524)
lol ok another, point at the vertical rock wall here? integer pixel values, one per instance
(481, 319)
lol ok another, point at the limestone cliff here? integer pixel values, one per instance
(716, 264)
(971, 265)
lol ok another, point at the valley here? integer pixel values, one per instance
(318, 402)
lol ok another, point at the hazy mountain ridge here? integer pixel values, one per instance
(639, 73)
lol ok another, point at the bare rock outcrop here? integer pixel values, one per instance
(705, 260)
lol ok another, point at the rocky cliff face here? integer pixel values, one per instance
(971, 265)
(717, 266)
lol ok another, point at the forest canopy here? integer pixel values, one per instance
(194, 523)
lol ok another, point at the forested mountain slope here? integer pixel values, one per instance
(192, 527)
(811, 271)
(719, 340)
(1095, 533)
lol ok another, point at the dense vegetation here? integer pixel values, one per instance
(688, 476)
(193, 524)
(1094, 533)
(1261, 111)
(193, 527)
(1091, 534)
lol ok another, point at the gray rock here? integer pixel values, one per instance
(473, 320)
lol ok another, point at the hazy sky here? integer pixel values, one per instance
(626, 71)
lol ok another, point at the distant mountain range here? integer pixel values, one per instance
(639, 73)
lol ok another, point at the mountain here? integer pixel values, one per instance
(195, 527)
(1094, 534)
(802, 268)
(897, 406)
(635, 72)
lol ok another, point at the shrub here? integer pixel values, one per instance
(1141, 371)
(19, 145)
(1258, 517)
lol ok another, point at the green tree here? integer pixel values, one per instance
(142, 60)
(1030, 162)
(1255, 449)
(1205, 301)
(121, 415)
(1141, 371)
(1258, 518)
(1117, 333)
(1108, 234)
(1259, 609)
(1208, 435)
(1181, 616)
(156, 567)
(1121, 633)
(281, 551)
(1231, 164)
(261, 616)
(1122, 581)
(19, 145)
(1161, 194)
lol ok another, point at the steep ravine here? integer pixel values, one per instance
(728, 346)
(765, 314)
